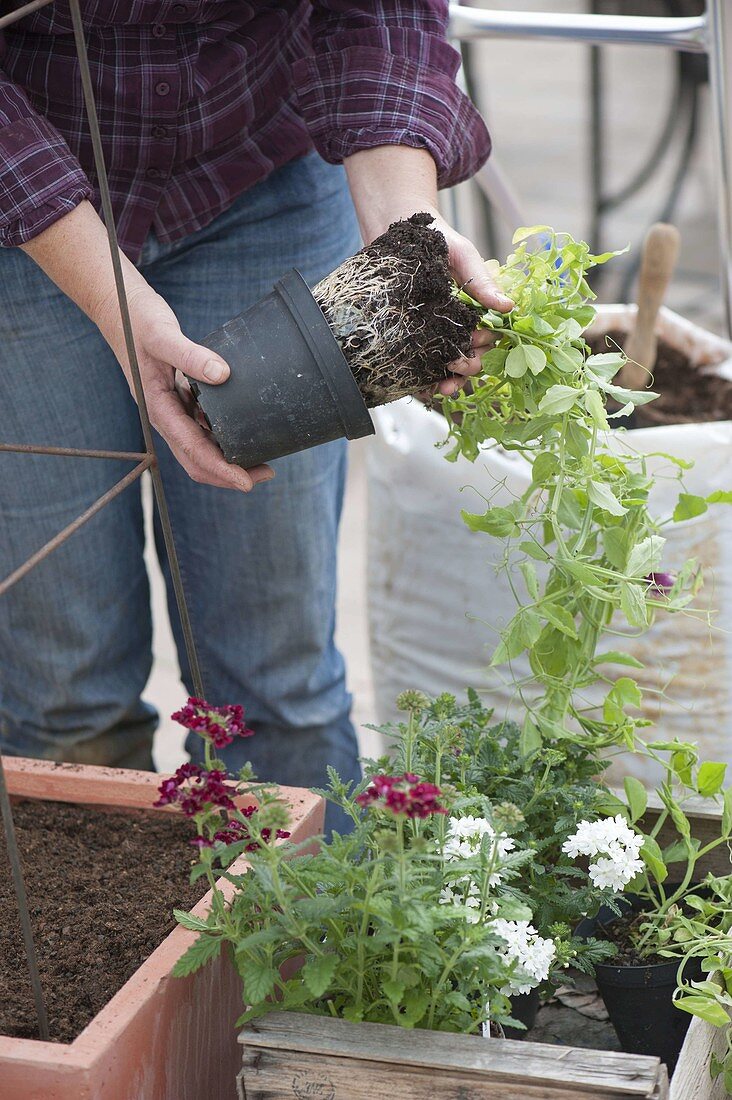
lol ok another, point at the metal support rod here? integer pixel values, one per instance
(73, 527)
(720, 56)
(27, 9)
(677, 33)
(70, 452)
(22, 900)
(157, 480)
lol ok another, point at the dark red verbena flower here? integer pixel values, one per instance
(402, 794)
(194, 789)
(219, 724)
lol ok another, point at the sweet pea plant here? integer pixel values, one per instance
(585, 516)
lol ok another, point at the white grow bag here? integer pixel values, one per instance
(436, 600)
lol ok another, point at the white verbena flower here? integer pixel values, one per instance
(532, 953)
(465, 836)
(617, 846)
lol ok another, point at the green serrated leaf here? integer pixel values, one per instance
(198, 954)
(317, 973)
(196, 924)
(393, 990)
(258, 976)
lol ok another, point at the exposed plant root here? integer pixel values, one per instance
(393, 310)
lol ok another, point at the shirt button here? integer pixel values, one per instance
(159, 131)
(179, 9)
(154, 174)
(162, 88)
(159, 30)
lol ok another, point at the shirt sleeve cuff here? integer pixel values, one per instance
(362, 96)
(40, 179)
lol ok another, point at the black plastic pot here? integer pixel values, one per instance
(524, 1007)
(639, 999)
(290, 386)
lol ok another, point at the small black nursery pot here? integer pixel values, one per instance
(639, 999)
(290, 386)
(524, 1008)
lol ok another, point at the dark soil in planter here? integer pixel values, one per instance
(101, 888)
(687, 394)
(619, 931)
(392, 310)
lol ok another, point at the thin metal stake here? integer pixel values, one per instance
(22, 899)
(162, 504)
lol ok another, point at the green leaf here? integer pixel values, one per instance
(534, 550)
(317, 973)
(633, 604)
(710, 778)
(596, 409)
(616, 657)
(523, 358)
(528, 572)
(603, 496)
(567, 360)
(615, 545)
(727, 812)
(394, 991)
(499, 522)
(544, 467)
(624, 693)
(558, 399)
(559, 617)
(494, 360)
(705, 1008)
(606, 364)
(581, 572)
(530, 740)
(198, 954)
(189, 921)
(652, 856)
(637, 797)
(719, 496)
(645, 556)
(689, 506)
(525, 231)
(258, 976)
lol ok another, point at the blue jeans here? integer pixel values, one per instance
(259, 570)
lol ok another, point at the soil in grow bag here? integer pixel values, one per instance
(686, 394)
(101, 889)
(394, 314)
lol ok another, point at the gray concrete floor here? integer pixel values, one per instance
(535, 97)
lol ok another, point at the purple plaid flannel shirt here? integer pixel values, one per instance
(200, 99)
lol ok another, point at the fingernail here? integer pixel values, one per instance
(214, 370)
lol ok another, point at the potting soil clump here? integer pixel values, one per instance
(393, 310)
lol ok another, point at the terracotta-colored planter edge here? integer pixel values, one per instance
(118, 788)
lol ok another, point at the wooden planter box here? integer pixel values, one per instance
(292, 1056)
(159, 1038)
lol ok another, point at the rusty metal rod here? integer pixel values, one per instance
(27, 9)
(23, 911)
(96, 137)
(70, 452)
(73, 527)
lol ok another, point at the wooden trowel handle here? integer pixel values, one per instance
(660, 252)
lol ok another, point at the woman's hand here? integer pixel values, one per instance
(74, 252)
(391, 182)
(167, 359)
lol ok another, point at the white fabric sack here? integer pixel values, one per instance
(436, 600)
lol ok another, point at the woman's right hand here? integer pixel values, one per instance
(74, 252)
(167, 359)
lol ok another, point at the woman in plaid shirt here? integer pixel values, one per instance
(239, 137)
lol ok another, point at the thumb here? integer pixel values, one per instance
(470, 271)
(191, 359)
